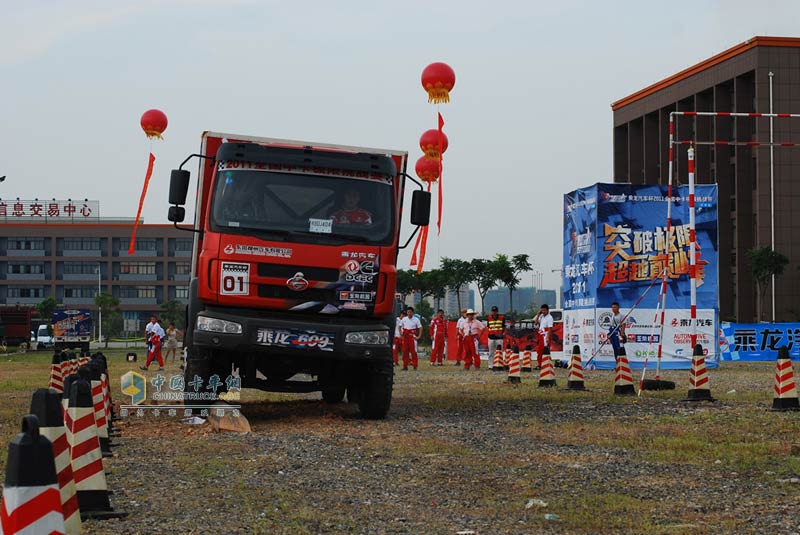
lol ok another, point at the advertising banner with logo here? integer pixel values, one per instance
(761, 341)
(616, 248)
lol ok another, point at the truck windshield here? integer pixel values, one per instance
(341, 209)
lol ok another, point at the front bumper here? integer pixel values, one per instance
(290, 337)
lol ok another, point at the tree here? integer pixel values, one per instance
(485, 276)
(457, 273)
(406, 282)
(112, 317)
(764, 263)
(46, 307)
(508, 272)
(173, 311)
(433, 283)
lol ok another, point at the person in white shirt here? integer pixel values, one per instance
(398, 338)
(544, 321)
(471, 330)
(411, 328)
(148, 329)
(460, 339)
(157, 336)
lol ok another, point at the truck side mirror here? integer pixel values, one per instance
(420, 208)
(178, 187)
(176, 214)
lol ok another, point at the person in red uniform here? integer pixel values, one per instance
(350, 213)
(411, 328)
(471, 330)
(398, 338)
(438, 331)
(460, 346)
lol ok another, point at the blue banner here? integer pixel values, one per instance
(760, 341)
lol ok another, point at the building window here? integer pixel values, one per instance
(181, 292)
(26, 269)
(80, 268)
(137, 292)
(137, 268)
(183, 268)
(15, 291)
(80, 292)
(183, 244)
(25, 244)
(142, 244)
(82, 244)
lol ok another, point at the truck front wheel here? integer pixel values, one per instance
(375, 392)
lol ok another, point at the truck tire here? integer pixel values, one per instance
(376, 390)
(353, 394)
(333, 394)
(198, 362)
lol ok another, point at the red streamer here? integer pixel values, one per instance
(132, 246)
(441, 159)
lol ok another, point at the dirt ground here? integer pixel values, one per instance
(461, 452)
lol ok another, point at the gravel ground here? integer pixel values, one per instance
(463, 453)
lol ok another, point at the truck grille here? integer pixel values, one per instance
(281, 271)
(271, 291)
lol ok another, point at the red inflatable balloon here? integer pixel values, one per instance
(154, 122)
(438, 80)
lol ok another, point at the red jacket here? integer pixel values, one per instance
(438, 327)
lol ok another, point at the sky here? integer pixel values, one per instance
(529, 117)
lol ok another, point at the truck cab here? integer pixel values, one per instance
(294, 267)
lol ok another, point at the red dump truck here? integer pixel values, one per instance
(15, 325)
(294, 266)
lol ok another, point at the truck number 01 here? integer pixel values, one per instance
(235, 279)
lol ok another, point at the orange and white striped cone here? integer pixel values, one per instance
(46, 406)
(99, 406)
(623, 378)
(66, 369)
(87, 459)
(497, 361)
(527, 360)
(31, 499)
(514, 369)
(575, 380)
(56, 379)
(547, 376)
(785, 389)
(84, 358)
(506, 358)
(699, 388)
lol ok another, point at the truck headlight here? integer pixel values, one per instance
(215, 325)
(371, 338)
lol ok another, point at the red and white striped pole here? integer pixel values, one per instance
(665, 271)
(692, 250)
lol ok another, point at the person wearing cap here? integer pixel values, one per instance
(496, 327)
(157, 336)
(459, 337)
(438, 332)
(412, 328)
(544, 322)
(471, 330)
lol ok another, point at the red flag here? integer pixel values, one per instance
(132, 246)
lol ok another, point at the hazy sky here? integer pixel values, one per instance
(529, 118)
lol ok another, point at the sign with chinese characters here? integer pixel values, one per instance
(617, 248)
(55, 211)
(761, 341)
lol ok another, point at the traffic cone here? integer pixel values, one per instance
(699, 389)
(547, 377)
(84, 358)
(64, 362)
(497, 362)
(46, 406)
(31, 499)
(527, 365)
(575, 380)
(513, 369)
(785, 389)
(68, 380)
(623, 378)
(87, 461)
(506, 358)
(56, 379)
(98, 403)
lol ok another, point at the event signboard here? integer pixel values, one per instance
(616, 249)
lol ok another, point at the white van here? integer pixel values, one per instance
(43, 338)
